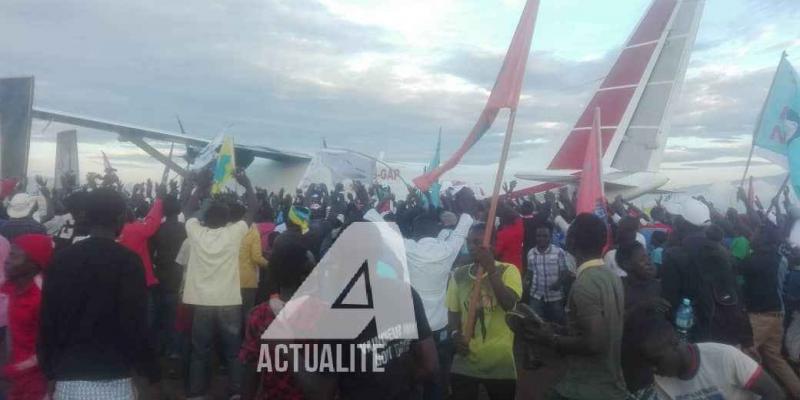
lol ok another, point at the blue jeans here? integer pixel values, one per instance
(227, 322)
(551, 311)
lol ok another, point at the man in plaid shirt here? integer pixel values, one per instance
(547, 265)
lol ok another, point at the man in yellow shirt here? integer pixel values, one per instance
(250, 260)
(487, 360)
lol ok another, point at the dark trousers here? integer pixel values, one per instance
(551, 311)
(166, 304)
(248, 302)
(468, 388)
(438, 389)
(226, 321)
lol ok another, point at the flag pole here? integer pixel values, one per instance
(778, 195)
(760, 119)
(474, 297)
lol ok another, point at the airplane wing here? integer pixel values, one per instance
(551, 176)
(132, 131)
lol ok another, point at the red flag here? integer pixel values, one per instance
(591, 198)
(505, 93)
(7, 187)
(751, 194)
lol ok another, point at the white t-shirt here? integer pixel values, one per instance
(724, 373)
(429, 263)
(212, 274)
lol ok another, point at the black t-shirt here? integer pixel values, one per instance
(761, 271)
(94, 314)
(397, 380)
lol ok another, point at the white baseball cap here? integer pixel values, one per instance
(695, 212)
(20, 205)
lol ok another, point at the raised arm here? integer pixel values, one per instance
(152, 221)
(249, 195)
(194, 189)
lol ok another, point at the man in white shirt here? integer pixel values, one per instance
(430, 259)
(212, 284)
(699, 371)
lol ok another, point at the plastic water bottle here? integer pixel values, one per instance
(684, 319)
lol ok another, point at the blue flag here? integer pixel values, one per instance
(436, 187)
(777, 129)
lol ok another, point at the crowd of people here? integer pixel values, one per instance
(110, 291)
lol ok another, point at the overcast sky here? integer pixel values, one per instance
(375, 75)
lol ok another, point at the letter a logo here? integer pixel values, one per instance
(362, 278)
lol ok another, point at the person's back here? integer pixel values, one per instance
(508, 247)
(20, 222)
(596, 290)
(15, 227)
(212, 276)
(430, 261)
(762, 288)
(93, 293)
(136, 234)
(165, 246)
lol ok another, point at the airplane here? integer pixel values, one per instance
(636, 100)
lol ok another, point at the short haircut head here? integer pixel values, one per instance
(237, 212)
(651, 329)
(426, 224)
(628, 226)
(105, 208)
(658, 238)
(545, 224)
(217, 215)
(715, 233)
(172, 207)
(588, 235)
(626, 251)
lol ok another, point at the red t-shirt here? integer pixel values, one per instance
(23, 320)
(135, 236)
(508, 246)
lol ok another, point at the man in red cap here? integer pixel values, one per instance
(29, 256)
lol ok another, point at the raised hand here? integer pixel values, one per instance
(241, 178)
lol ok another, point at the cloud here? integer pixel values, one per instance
(371, 75)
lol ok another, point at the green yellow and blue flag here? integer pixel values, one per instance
(226, 165)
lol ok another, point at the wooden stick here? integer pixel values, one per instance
(475, 295)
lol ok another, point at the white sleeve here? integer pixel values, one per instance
(183, 254)
(741, 369)
(561, 223)
(459, 234)
(373, 216)
(192, 227)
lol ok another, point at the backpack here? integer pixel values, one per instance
(719, 309)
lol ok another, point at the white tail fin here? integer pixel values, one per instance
(636, 96)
